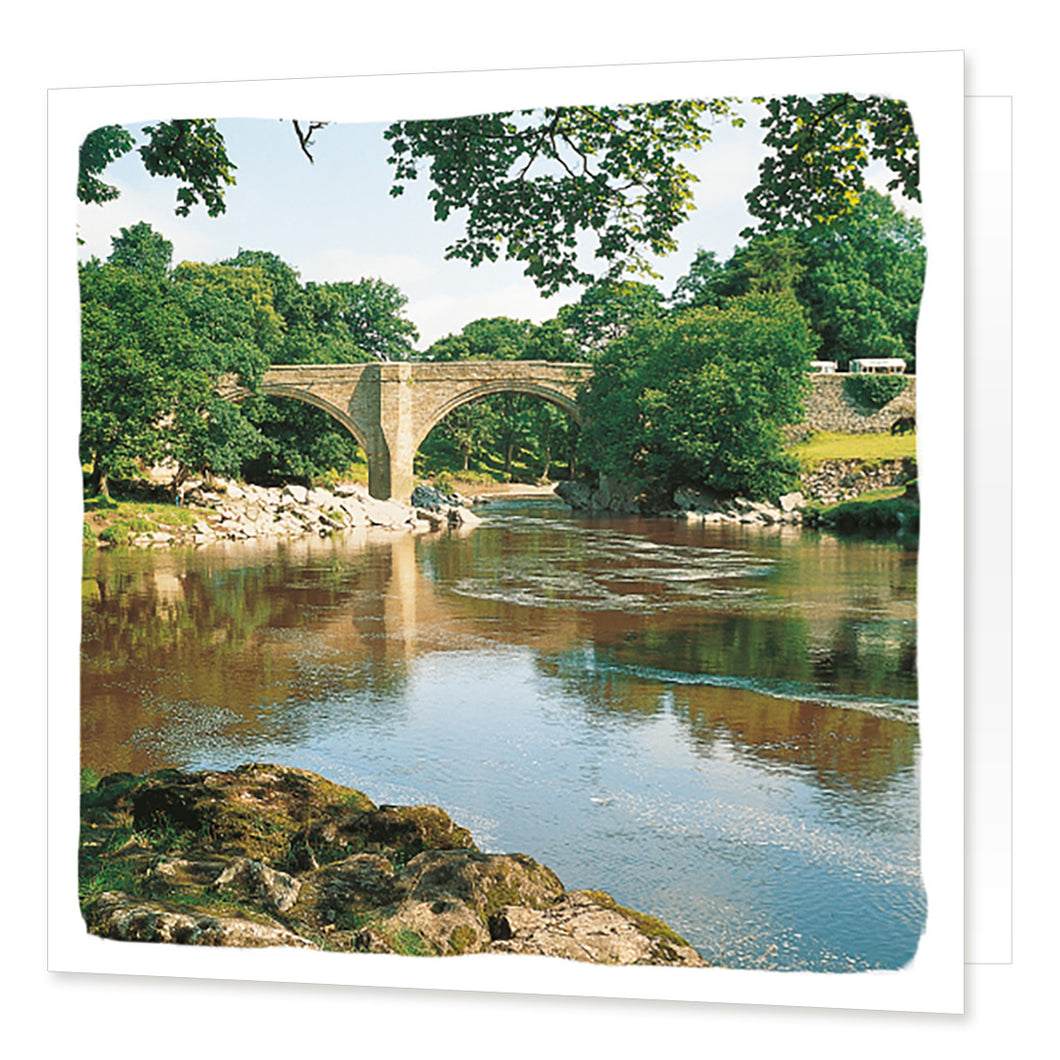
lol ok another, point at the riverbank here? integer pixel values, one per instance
(231, 511)
(268, 855)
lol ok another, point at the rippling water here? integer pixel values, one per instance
(715, 724)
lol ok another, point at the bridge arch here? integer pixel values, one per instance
(429, 419)
(307, 397)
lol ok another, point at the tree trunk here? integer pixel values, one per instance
(97, 481)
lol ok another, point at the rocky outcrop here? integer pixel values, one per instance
(612, 495)
(230, 511)
(442, 509)
(828, 483)
(695, 505)
(267, 855)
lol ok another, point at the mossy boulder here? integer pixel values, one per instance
(484, 882)
(590, 926)
(255, 811)
(119, 916)
(267, 855)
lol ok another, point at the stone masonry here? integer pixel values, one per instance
(390, 408)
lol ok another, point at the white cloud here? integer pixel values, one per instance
(333, 264)
(440, 315)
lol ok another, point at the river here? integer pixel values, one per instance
(717, 725)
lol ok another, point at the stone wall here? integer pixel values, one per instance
(844, 480)
(829, 409)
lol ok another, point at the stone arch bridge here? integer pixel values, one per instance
(390, 408)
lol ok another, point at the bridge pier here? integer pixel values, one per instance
(390, 473)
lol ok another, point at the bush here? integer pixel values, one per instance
(115, 534)
(873, 391)
(864, 516)
(700, 399)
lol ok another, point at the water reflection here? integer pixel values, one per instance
(716, 725)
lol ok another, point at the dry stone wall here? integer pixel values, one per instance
(829, 409)
(844, 480)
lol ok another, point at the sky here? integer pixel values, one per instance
(334, 219)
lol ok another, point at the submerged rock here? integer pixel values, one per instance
(267, 855)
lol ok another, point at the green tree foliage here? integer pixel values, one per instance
(502, 429)
(330, 323)
(607, 311)
(863, 281)
(533, 181)
(371, 313)
(707, 283)
(821, 148)
(142, 249)
(127, 328)
(154, 346)
(489, 338)
(700, 398)
(190, 149)
(99, 148)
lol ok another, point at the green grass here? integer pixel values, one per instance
(872, 448)
(885, 512)
(355, 471)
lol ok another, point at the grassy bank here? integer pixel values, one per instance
(872, 448)
(116, 521)
(878, 511)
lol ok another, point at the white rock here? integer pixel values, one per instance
(321, 498)
(463, 517)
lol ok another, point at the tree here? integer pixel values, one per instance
(700, 397)
(533, 180)
(534, 183)
(864, 280)
(192, 150)
(503, 427)
(705, 284)
(126, 325)
(372, 312)
(607, 311)
(330, 323)
(155, 344)
(142, 249)
(488, 338)
(821, 149)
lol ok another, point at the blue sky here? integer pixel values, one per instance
(334, 219)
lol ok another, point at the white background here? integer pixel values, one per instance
(94, 1015)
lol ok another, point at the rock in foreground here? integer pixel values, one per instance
(272, 856)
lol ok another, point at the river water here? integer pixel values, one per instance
(717, 725)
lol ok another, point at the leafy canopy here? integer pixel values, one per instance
(699, 398)
(533, 181)
(154, 345)
(538, 186)
(821, 149)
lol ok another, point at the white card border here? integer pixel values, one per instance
(932, 83)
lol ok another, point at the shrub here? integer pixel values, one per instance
(115, 534)
(873, 391)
